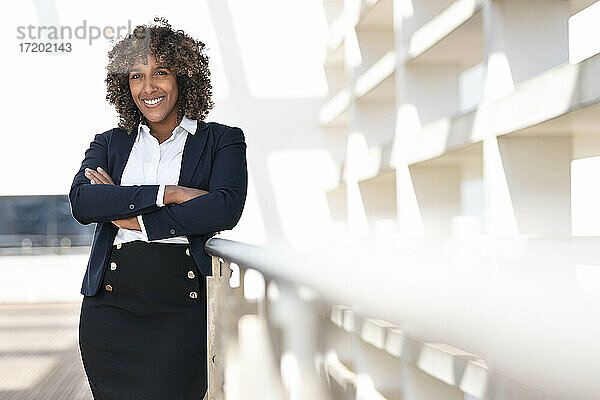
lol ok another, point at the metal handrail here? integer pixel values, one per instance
(521, 312)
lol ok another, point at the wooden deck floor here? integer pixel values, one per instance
(39, 353)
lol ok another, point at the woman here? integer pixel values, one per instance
(143, 322)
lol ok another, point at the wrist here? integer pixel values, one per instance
(171, 193)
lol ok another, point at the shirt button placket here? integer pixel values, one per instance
(156, 161)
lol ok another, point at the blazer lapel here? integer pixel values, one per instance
(124, 144)
(194, 146)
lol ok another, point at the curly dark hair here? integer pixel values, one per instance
(175, 50)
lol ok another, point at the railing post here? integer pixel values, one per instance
(216, 287)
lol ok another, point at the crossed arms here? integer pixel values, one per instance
(217, 210)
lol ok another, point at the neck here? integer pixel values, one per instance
(163, 130)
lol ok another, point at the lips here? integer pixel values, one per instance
(152, 103)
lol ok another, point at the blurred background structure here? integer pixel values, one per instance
(433, 163)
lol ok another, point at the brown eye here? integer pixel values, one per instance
(134, 75)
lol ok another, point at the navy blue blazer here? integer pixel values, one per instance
(214, 159)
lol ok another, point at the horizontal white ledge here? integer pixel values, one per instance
(336, 106)
(446, 363)
(376, 74)
(441, 26)
(552, 94)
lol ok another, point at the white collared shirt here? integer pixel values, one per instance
(151, 163)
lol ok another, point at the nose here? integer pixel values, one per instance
(149, 86)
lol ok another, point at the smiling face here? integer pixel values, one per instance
(154, 91)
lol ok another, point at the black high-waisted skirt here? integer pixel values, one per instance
(143, 335)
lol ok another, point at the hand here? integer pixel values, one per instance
(181, 194)
(98, 177)
(128, 223)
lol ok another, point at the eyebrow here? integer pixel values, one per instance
(155, 68)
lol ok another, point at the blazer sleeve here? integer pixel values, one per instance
(105, 203)
(221, 208)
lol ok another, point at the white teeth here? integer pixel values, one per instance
(154, 101)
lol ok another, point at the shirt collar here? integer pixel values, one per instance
(189, 124)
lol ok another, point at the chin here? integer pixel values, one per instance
(154, 119)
